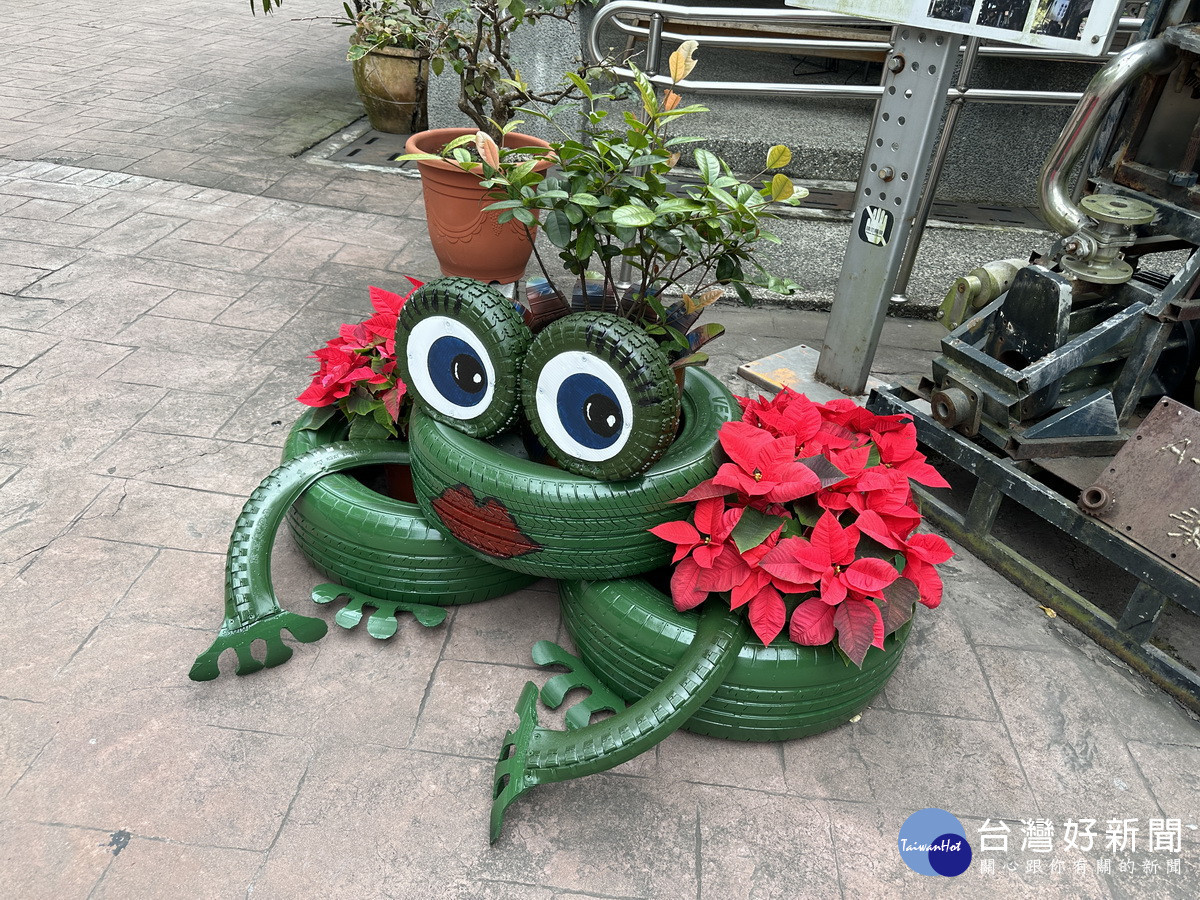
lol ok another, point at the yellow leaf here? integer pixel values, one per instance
(778, 157)
(782, 187)
(673, 160)
(682, 62)
(1049, 612)
(709, 297)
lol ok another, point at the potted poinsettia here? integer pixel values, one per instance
(357, 376)
(811, 524)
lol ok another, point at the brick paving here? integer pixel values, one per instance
(165, 266)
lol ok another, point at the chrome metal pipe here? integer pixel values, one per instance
(1152, 57)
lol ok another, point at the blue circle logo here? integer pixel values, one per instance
(933, 842)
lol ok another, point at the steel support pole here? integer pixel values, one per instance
(969, 54)
(916, 79)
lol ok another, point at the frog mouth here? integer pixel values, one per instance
(486, 526)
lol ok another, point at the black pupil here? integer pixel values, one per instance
(602, 414)
(468, 373)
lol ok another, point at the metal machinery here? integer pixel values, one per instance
(1068, 385)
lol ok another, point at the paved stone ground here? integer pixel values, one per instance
(165, 267)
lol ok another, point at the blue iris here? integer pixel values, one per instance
(456, 371)
(589, 411)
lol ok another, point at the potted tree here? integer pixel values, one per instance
(630, 231)
(473, 40)
(389, 57)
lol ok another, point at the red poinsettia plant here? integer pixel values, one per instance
(357, 374)
(812, 524)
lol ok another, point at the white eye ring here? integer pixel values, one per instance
(556, 370)
(421, 338)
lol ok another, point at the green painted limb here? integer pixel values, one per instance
(532, 755)
(383, 622)
(578, 675)
(251, 610)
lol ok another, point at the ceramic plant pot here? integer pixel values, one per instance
(631, 636)
(467, 240)
(392, 84)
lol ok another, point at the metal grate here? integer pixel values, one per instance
(376, 148)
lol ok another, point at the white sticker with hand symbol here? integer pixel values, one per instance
(875, 225)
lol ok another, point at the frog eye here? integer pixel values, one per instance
(600, 396)
(459, 348)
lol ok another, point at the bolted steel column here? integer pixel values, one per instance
(916, 80)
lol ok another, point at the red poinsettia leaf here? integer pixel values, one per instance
(732, 476)
(743, 593)
(930, 548)
(682, 533)
(742, 443)
(704, 490)
(869, 575)
(812, 623)
(859, 625)
(768, 614)
(800, 417)
(385, 301)
(792, 559)
(928, 582)
(684, 593)
(708, 515)
(899, 598)
(833, 589)
(704, 554)
(792, 481)
(879, 478)
(871, 524)
(728, 569)
(391, 402)
(919, 470)
(830, 537)
(896, 446)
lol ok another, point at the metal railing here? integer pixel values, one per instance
(654, 32)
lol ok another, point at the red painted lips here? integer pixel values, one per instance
(487, 527)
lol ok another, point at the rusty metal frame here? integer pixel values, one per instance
(1128, 637)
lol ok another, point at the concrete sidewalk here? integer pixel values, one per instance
(166, 266)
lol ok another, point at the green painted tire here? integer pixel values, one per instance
(600, 395)
(537, 519)
(631, 636)
(460, 345)
(380, 546)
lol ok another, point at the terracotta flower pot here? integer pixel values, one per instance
(467, 240)
(392, 84)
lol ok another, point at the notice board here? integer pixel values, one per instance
(1079, 26)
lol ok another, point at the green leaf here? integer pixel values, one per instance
(585, 244)
(778, 157)
(807, 510)
(754, 527)
(318, 417)
(366, 428)
(633, 216)
(557, 228)
(708, 164)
